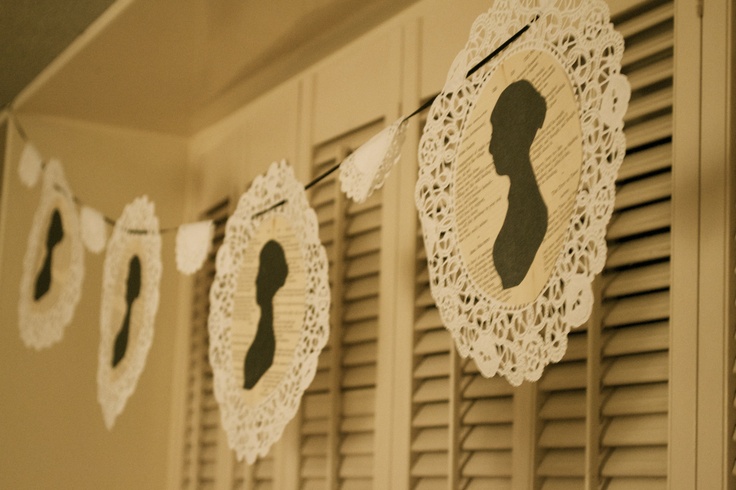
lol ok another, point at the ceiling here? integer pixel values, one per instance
(33, 33)
(173, 66)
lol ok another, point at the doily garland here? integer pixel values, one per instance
(518, 340)
(130, 296)
(53, 265)
(366, 169)
(253, 427)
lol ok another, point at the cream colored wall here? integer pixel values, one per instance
(51, 425)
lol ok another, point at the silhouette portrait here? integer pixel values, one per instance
(55, 235)
(133, 290)
(517, 116)
(272, 273)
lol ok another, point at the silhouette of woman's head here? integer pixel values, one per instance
(272, 271)
(518, 115)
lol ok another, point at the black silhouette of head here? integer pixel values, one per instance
(518, 115)
(55, 235)
(132, 292)
(272, 272)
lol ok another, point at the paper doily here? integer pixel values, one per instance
(192, 244)
(53, 265)
(30, 165)
(94, 230)
(516, 333)
(255, 417)
(366, 169)
(130, 295)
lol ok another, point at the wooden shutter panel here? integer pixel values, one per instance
(630, 345)
(202, 423)
(463, 422)
(338, 419)
(635, 338)
(434, 355)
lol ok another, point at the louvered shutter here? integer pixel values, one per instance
(205, 444)
(338, 415)
(635, 337)
(202, 422)
(463, 422)
(627, 384)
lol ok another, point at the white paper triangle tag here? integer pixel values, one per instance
(192, 244)
(94, 233)
(30, 165)
(367, 168)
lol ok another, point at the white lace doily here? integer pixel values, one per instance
(192, 244)
(136, 234)
(94, 230)
(255, 418)
(366, 169)
(508, 334)
(30, 165)
(42, 321)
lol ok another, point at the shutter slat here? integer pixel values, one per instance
(646, 20)
(637, 430)
(490, 411)
(651, 74)
(647, 104)
(562, 405)
(361, 443)
(363, 222)
(638, 309)
(432, 390)
(430, 464)
(648, 132)
(363, 244)
(637, 399)
(642, 191)
(565, 376)
(433, 366)
(429, 319)
(563, 434)
(362, 331)
(488, 463)
(563, 462)
(637, 339)
(364, 423)
(359, 377)
(359, 402)
(432, 439)
(639, 461)
(432, 415)
(637, 369)
(646, 161)
(433, 342)
(356, 355)
(485, 437)
(362, 288)
(640, 250)
(658, 43)
(639, 220)
(641, 279)
(481, 387)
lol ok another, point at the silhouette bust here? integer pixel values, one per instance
(132, 292)
(55, 235)
(516, 118)
(272, 272)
